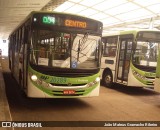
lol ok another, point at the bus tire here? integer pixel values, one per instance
(108, 79)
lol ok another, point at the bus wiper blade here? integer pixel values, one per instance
(82, 42)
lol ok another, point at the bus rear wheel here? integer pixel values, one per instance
(108, 79)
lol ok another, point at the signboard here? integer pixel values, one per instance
(48, 20)
(68, 21)
(75, 23)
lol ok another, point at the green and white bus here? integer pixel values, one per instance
(56, 55)
(157, 80)
(130, 58)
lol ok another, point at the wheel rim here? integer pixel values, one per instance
(108, 79)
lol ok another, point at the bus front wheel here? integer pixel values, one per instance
(108, 79)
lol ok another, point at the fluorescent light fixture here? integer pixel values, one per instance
(146, 2)
(141, 25)
(64, 6)
(87, 12)
(99, 16)
(139, 13)
(75, 1)
(122, 8)
(108, 4)
(75, 9)
(155, 8)
(110, 21)
(90, 3)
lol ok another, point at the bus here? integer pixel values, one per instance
(130, 58)
(56, 55)
(157, 80)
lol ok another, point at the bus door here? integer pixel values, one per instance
(25, 59)
(125, 50)
(26, 55)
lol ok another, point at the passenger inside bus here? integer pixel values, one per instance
(42, 52)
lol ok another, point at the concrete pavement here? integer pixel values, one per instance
(4, 107)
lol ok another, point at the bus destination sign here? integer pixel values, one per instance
(67, 22)
(75, 23)
(48, 20)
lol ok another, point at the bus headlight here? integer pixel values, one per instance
(94, 82)
(34, 78)
(97, 79)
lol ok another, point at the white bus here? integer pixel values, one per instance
(130, 58)
(157, 80)
(56, 55)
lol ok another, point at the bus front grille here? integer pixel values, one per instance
(54, 84)
(67, 94)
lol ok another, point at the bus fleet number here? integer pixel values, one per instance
(58, 80)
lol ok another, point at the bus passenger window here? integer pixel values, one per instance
(110, 47)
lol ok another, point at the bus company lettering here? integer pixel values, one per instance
(44, 77)
(82, 80)
(74, 23)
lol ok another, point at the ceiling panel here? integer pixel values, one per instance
(75, 9)
(89, 3)
(146, 2)
(64, 6)
(155, 8)
(12, 12)
(99, 16)
(139, 13)
(88, 12)
(110, 21)
(123, 8)
(119, 14)
(115, 14)
(107, 4)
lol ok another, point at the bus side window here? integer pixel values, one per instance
(17, 41)
(110, 47)
(26, 35)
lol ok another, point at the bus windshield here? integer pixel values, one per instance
(146, 53)
(65, 50)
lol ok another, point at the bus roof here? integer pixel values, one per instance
(134, 31)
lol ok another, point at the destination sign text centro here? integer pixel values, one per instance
(75, 23)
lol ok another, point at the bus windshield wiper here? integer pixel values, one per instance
(81, 44)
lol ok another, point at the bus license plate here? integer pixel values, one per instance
(68, 91)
